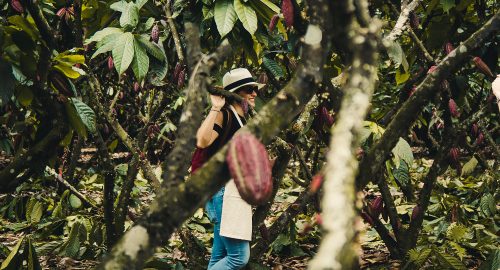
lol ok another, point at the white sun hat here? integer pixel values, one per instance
(237, 78)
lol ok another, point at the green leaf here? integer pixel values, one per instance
(459, 250)
(130, 16)
(33, 263)
(487, 205)
(469, 167)
(450, 261)
(157, 72)
(72, 245)
(247, 16)
(281, 241)
(24, 25)
(36, 213)
(397, 55)
(24, 95)
(401, 77)
(271, 5)
(225, 16)
(492, 262)
(140, 64)
(74, 120)
(419, 257)
(99, 35)
(273, 67)
(152, 48)
(457, 232)
(141, 3)
(402, 174)
(123, 52)
(447, 5)
(7, 81)
(74, 201)
(86, 114)
(402, 151)
(119, 6)
(13, 261)
(106, 44)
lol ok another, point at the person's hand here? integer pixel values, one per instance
(217, 102)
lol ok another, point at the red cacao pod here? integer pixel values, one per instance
(481, 65)
(273, 22)
(376, 207)
(452, 105)
(250, 168)
(318, 219)
(288, 13)
(17, 6)
(431, 69)
(316, 182)
(177, 70)
(110, 63)
(414, 20)
(61, 12)
(475, 129)
(326, 117)
(137, 86)
(155, 33)
(416, 211)
(182, 77)
(448, 48)
(454, 154)
(480, 138)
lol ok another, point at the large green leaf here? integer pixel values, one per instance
(36, 212)
(123, 52)
(487, 205)
(273, 67)
(247, 16)
(492, 262)
(159, 70)
(130, 16)
(72, 246)
(225, 16)
(119, 6)
(419, 257)
(402, 174)
(33, 263)
(397, 55)
(74, 201)
(140, 64)
(99, 35)
(86, 114)
(74, 120)
(402, 151)
(151, 48)
(469, 167)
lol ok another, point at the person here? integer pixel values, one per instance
(231, 215)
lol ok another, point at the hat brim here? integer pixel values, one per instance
(259, 86)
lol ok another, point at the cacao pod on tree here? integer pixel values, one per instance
(181, 79)
(416, 211)
(110, 63)
(481, 65)
(376, 207)
(414, 21)
(452, 106)
(177, 70)
(288, 13)
(431, 69)
(316, 182)
(480, 138)
(17, 6)
(250, 168)
(137, 86)
(454, 154)
(475, 130)
(448, 48)
(273, 22)
(263, 79)
(155, 33)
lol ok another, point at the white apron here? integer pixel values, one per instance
(236, 221)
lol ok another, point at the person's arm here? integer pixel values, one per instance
(206, 134)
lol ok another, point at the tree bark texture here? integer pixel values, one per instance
(338, 249)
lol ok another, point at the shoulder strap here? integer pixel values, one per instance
(236, 115)
(226, 127)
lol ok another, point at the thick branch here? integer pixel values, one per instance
(336, 250)
(424, 93)
(175, 34)
(401, 22)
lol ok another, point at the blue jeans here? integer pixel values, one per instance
(227, 253)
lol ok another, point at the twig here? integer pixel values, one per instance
(74, 191)
(175, 34)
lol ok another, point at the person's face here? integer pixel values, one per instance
(249, 93)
